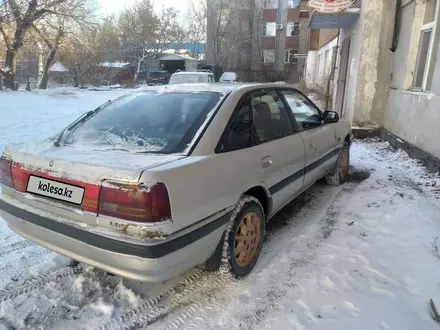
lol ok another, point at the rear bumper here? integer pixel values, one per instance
(149, 261)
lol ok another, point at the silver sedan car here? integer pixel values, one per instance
(167, 178)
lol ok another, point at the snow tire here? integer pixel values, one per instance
(339, 174)
(229, 264)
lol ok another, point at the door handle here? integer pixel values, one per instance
(266, 162)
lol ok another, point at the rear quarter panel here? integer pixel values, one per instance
(200, 186)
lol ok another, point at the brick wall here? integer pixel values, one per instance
(293, 14)
(292, 42)
(270, 15)
(268, 42)
(314, 39)
(325, 35)
(319, 38)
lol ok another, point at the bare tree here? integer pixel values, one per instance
(56, 31)
(234, 37)
(219, 19)
(196, 25)
(22, 15)
(79, 53)
(168, 30)
(53, 48)
(19, 17)
(255, 48)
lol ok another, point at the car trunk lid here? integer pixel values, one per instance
(63, 178)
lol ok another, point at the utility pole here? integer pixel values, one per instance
(277, 37)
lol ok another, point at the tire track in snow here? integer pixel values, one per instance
(159, 306)
(34, 284)
(20, 245)
(24, 262)
(197, 315)
(180, 296)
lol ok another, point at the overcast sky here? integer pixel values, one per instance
(114, 6)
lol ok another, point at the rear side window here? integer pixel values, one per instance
(261, 116)
(146, 122)
(240, 132)
(271, 119)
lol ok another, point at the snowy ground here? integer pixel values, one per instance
(360, 256)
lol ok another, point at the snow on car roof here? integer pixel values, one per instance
(210, 87)
(192, 73)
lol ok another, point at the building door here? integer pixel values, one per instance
(342, 77)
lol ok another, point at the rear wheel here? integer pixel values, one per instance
(339, 174)
(244, 237)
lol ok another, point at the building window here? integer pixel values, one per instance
(422, 57)
(292, 29)
(270, 4)
(270, 29)
(269, 56)
(420, 80)
(293, 3)
(289, 56)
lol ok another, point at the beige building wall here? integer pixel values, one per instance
(414, 115)
(374, 73)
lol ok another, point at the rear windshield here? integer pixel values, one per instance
(157, 74)
(146, 122)
(188, 78)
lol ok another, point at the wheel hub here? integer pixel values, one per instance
(247, 239)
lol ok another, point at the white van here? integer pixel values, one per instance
(229, 77)
(185, 77)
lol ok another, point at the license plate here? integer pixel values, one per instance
(55, 189)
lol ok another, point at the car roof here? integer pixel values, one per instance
(192, 73)
(214, 87)
(229, 73)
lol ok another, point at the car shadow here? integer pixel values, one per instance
(291, 210)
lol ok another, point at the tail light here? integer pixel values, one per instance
(139, 203)
(19, 177)
(6, 172)
(148, 77)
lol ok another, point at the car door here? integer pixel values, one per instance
(320, 139)
(265, 135)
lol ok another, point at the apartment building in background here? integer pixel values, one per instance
(259, 39)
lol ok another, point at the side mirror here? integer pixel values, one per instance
(331, 117)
